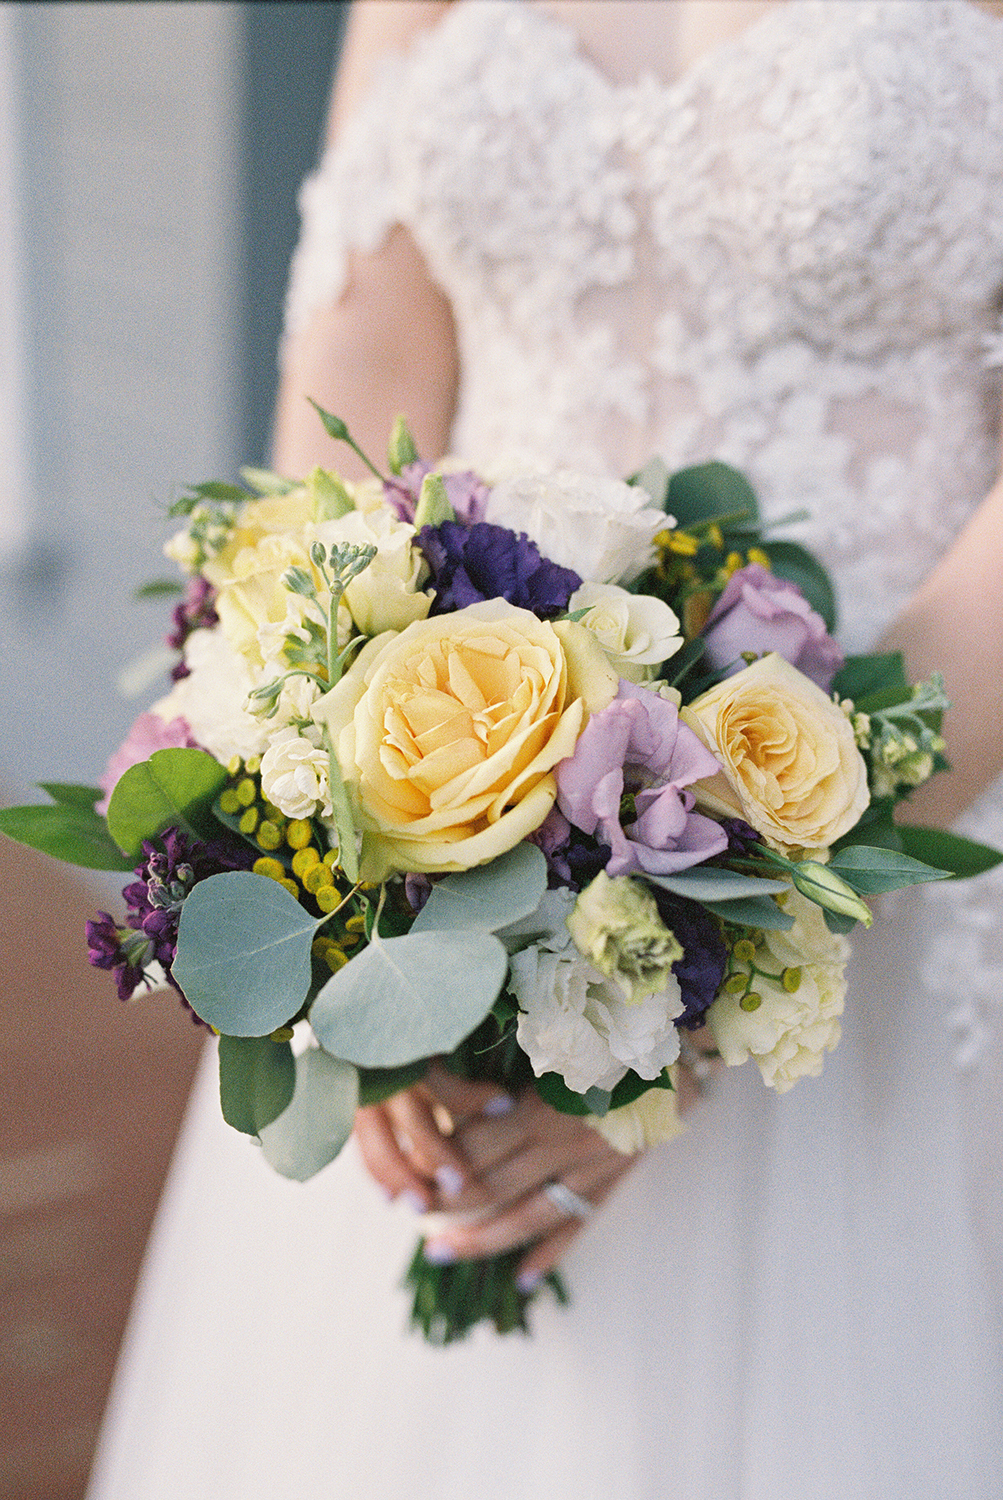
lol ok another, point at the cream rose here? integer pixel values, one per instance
(636, 631)
(384, 596)
(789, 1029)
(791, 766)
(448, 732)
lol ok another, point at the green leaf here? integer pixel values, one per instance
(755, 911)
(331, 500)
(157, 588)
(876, 828)
(409, 997)
(959, 856)
(377, 1084)
(488, 897)
(65, 831)
(875, 672)
(266, 482)
(873, 870)
(793, 562)
(708, 490)
(219, 489)
(310, 1133)
(711, 885)
(555, 1092)
(838, 921)
(174, 788)
(256, 1078)
(341, 811)
(71, 793)
(243, 958)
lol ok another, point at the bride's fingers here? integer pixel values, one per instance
(463, 1099)
(435, 1155)
(386, 1162)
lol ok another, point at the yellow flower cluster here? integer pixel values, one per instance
(695, 567)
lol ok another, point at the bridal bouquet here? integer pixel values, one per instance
(536, 775)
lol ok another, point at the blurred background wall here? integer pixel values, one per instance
(149, 160)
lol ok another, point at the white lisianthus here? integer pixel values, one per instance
(575, 1022)
(636, 631)
(213, 698)
(602, 528)
(385, 595)
(296, 776)
(616, 926)
(649, 1121)
(787, 1033)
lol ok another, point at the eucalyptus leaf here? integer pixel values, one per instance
(488, 897)
(406, 998)
(597, 1102)
(874, 870)
(874, 672)
(961, 857)
(377, 1084)
(755, 911)
(310, 1133)
(68, 831)
(654, 479)
(243, 958)
(711, 885)
(793, 562)
(256, 1078)
(174, 788)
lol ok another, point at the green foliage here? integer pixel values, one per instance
(377, 1084)
(873, 675)
(555, 1092)
(256, 1078)
(732, 897)
(654, 479)
(874, 870)
(243, 958)
(157, 588)
(489, 897)
(401, 449)
(410, 997)
(72, 793)
(433, 508)
(173, 789)
(708, 492)
(310, 1133)
(66, 830)
(448, 1301)
(950, 852)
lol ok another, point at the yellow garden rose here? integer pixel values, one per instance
(791, 766)
(448, 732)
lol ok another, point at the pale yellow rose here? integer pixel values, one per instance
(448, 733)
(649, 1121)
(791, 766)
(251, 595)
(386, 594)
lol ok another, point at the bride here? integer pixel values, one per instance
(584, 232)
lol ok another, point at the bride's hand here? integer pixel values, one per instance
(469, 1149)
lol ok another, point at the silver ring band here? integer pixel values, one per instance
(566, 1201)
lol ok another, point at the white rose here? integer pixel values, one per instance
(384, 596)
(295, 775)
(575, 1022)
(636, 631)
(601, 528)
(787, 1033)
(213, 697)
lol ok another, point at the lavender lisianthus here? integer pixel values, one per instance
(466, 492)
(638, 748)
(472, 563)
(760, 612)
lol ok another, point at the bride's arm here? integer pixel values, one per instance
(954, 624)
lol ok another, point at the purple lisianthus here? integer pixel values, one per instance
(465, 491)
(636, 757)
(701, 969)
(572, 859)
(471, 563)
(195, 612)
(760, 612)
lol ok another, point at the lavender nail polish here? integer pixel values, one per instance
(528, 1281)
(414, 1201)
(449, 1180)
(500, 1104)
(438, 1253)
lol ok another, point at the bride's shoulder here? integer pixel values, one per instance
(376, 30)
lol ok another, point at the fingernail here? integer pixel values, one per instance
(449, 1180)
(500, 1104)
(415, 1201)
(528, 1281)
(388, 1193)
(438, 1253)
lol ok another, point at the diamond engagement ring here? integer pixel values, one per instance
(566, 1201)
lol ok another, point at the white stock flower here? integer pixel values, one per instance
(575, 1022)
(637, 632)
(295, 775)
(385, 595)
(213, 697)
(787, 1033)
(601, 528)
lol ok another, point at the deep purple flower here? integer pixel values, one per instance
(760, 612)
(742, 838)
(636, 759)
(471, 563)
(112, 947)
(701, 969)
(195, 612)
(466, 493)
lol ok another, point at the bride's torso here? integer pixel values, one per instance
(788, 256)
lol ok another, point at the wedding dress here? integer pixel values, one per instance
(791, 258)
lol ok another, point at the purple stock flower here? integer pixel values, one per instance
(466, 493)
(195, 612)
(760, 612)
(471, 563)
(636, 756)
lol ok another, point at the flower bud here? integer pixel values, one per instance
(433, 503)
(826, 888)
(401, 449)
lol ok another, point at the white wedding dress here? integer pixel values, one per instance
(790, 259)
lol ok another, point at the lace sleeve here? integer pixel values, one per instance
(351, 202)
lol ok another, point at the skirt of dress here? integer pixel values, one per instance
(792, 1300)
